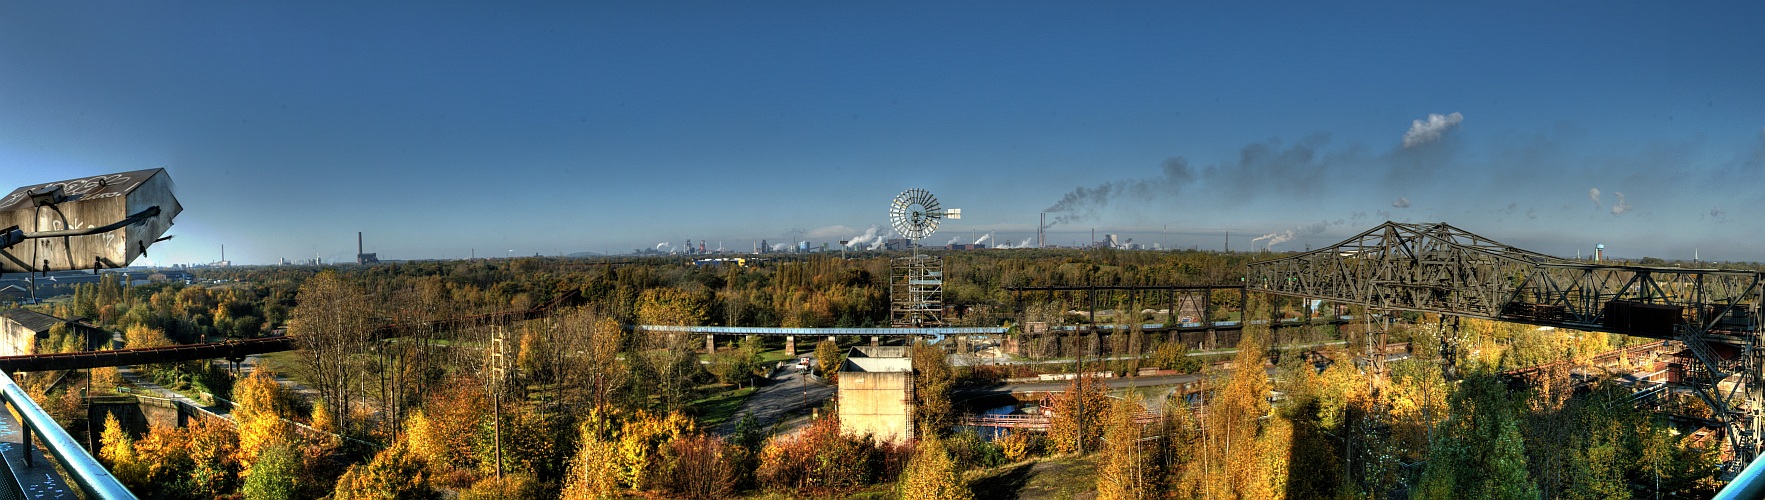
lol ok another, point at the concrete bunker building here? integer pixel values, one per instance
(21, 329)
(876, 393)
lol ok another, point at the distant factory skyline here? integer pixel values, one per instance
(444, 129)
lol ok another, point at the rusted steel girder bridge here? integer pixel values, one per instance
(1442, 269)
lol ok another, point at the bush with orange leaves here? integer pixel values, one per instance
(822, 460)
(698, 467)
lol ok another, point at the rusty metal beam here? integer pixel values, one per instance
(232, 349)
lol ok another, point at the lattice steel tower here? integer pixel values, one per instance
(916, 282)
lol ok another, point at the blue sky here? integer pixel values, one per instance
(443, 128)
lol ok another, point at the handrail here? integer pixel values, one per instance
(90, 475)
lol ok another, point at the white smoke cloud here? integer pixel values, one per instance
(953, 240)
(1423, 132)
(1401, 202)
(983, 239)
(780, 247)
(868, 241)
(661, 245)
(1594, 194)
(1620, 206)
(1274, 238)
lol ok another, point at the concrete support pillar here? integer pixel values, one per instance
(710, 343)
(790, 345)
(875, 340)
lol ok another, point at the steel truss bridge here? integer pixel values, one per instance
(1442, 269)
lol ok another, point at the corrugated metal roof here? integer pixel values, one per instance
(32, 320)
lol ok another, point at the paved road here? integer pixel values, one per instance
(788, 394)
(140, 382)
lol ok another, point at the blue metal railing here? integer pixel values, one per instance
(91, 476)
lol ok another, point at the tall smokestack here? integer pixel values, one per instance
(1040, 226)
(358, 242)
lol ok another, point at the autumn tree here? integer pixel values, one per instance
(697, 467)
(140, 336)
(444, 431)
(932, 474)
(1128, 467)
(117, 450)
(1245, 452)
(1180, 460)
(594, 470)
(259, 409)
(333, 327)
(828, 359)
(1079, 413)
(932, 380)
(393, 473)
(1020, 445)
(672, 306)
(670, 367)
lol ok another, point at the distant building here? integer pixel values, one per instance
(367, 258)
(876, 393)
(898, 244)
(965, 246)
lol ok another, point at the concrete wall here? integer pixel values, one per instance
(15, 339)
(879, 404)
(92, 202)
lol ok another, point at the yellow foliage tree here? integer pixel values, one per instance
(671, 306)
(393, 473)
(258, 411)
(140, 336)
(932, 474)
(1018, 445)
(594, 472)
(105, 380)
(1127, 466)
(640, 438)
(1081, 407)
(118, 452)
(443, 431)
(322, 419)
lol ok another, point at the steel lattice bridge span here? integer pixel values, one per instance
(1442, 269)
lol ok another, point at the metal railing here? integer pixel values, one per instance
(83, 469)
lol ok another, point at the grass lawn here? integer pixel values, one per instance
(285, 363)
(1058, 478)
(719, 407)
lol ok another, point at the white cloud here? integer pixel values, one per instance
(1430, 130)
(1401, 202)
(1594, 194)
(1620, 206)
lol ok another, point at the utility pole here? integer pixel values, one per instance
(496, 384)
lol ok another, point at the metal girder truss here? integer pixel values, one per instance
(1442, 269)
(916, 292)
